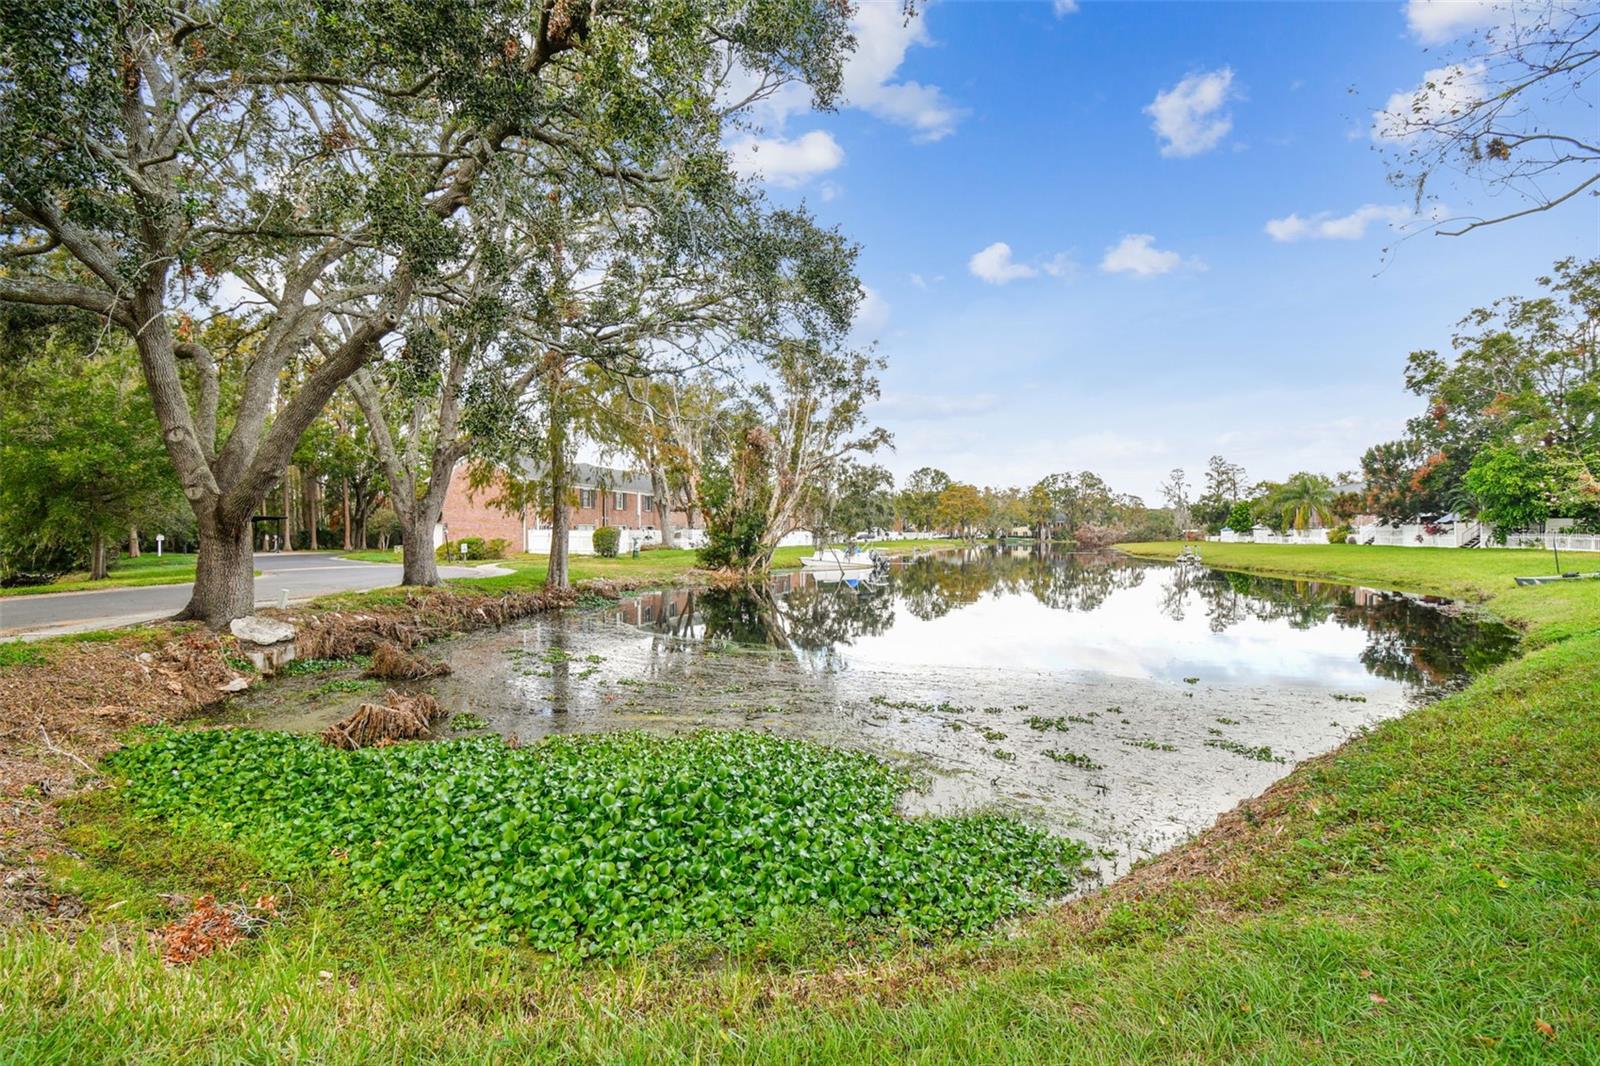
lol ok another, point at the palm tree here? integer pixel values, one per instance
(1305, 500)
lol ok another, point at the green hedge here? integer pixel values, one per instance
(606, 539)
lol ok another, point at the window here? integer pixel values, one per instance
(619, 501)
(586, 499)
(647, 504)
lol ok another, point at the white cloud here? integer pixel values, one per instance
(1439, 21)
(1189, 117)
(1064, 8)
(1059, 265)
(883, 34)
(1445, 91)
(786, 162)
(1325, 225)
(995, 265)
(1137, 254)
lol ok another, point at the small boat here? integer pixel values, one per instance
(1551, 579)
(837, 559)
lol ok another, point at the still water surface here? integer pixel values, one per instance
(1122, 702)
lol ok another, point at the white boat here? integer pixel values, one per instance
(836, 559)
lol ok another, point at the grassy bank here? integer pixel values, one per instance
(169, 569)
(1424, 894)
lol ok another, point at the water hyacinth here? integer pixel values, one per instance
(601, 844)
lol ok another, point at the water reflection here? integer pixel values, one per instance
(1099, 613)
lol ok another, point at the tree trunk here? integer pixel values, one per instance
(287, 525)
(556, 572)
(419, 566)
(311, 510)
(344, 524)
(224, 579)
(133, 542)
(658, 485)
(97, 558)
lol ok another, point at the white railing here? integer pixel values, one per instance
(1263, 535)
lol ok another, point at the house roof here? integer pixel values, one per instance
(591, 476)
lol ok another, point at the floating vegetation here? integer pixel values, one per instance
(1191, 681)
(601, 844)
(346, 684)
(1260, 753)
(303, 667)
(1349, 697)
(991, 735)
(1149, 745)
(1227, 721)
(942, 707)
(1072, 758)
(466, 721)
(1003, 755)
(1044, 725)
(1082, 720)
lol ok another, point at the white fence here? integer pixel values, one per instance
(581, 541)
(1263, 535)
(1419, 535)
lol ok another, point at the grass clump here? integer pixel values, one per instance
(604, 844)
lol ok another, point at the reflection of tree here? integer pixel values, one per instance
(795, 613)
(933, 586)
(1407, 640)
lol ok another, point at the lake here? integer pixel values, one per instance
(1123, 702)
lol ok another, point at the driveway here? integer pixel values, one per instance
(303, 575)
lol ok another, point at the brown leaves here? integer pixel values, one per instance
(209, 927)
(1545, 1027)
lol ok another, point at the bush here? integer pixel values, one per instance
(606, 539)
(476, 548)
(601, 844)
(1339, 535)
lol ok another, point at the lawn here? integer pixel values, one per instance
(662, 564)
(1424, 894)
(172, 568)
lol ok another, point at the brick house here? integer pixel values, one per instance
(606, 497)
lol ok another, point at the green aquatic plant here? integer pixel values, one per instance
(1072, 758)
(599, 844)
(466, 721)
(346, 684)
(1044, 724)
(1149, 745)
(1260, 753)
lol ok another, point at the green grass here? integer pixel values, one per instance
(171, 568)
(1424, 895)
(662, 566)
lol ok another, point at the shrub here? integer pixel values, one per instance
(1339, 535)
(606, 539)
(476, 548)
(1240, 518)
(600, 844)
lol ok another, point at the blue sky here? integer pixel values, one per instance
(1142, 316)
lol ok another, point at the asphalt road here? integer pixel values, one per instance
(302, 574)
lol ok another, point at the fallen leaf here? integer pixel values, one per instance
(1545, 1027)
(1365, 973)
(326, 975)
(1376, 998)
